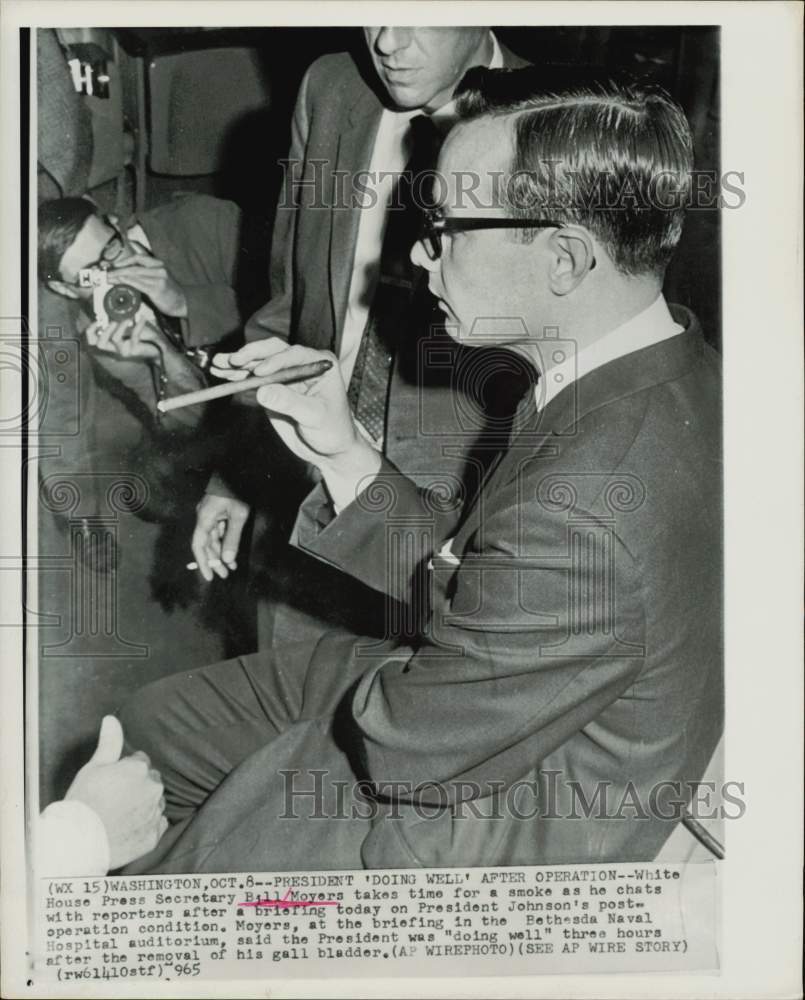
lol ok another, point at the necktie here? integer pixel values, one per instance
(392, 311)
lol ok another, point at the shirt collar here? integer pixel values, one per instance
(137, 233)
(650, 326)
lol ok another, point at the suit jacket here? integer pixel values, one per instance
(567, 691)
(577, 645)
(198, 237)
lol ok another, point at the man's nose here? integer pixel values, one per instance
(420, 257)
(392, 39)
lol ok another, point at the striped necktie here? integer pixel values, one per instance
(395, 305)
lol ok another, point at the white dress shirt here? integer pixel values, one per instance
(390, 154)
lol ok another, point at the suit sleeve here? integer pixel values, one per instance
(212, 306)
(386, 537)
(274, 318)
(520, 654)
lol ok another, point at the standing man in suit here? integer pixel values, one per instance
(341, 281)
(565, 695)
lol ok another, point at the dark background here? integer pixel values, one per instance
(219, 124)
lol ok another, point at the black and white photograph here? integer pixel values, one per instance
(374, 435)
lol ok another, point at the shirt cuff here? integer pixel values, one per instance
(71, 840)
(314, 515)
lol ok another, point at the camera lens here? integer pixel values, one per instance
(121, 302)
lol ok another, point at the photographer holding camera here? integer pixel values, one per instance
(152, 294)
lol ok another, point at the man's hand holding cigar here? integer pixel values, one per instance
(312, 415)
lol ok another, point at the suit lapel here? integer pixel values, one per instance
(541, 432)
(355, 145)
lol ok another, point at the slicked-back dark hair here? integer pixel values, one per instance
(60, 221)
(615, 159)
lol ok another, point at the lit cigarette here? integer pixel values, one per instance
(295, 373)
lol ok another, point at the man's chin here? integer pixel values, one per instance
(408, 94)
(403, 98)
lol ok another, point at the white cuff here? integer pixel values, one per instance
(71, 840)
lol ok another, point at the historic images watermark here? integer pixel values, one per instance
(315, 184)
(314, 794)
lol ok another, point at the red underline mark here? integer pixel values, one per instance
(288, 901)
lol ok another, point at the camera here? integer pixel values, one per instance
(110, 303)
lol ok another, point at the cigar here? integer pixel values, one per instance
(295, 373)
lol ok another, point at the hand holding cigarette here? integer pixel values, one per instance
(220, 521)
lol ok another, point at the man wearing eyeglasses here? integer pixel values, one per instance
(179, 260)
(564, 693)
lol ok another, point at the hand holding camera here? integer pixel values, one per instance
(123, 341)
(128, 284)
(118, 286)
(130, 350)
(124, 326)
(110, 302)
(130, 339)
(148, 276)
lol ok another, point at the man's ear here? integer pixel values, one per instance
(573, 258)
(62, 288)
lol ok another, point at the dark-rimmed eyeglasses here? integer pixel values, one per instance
(114, 246)
(435, 223)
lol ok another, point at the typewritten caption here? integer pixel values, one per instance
(604, 918)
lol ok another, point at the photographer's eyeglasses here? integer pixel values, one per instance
(111, 250)
(115, 245)
(435, 223)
